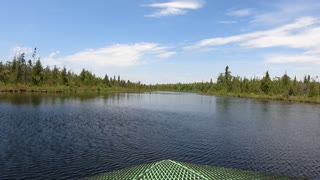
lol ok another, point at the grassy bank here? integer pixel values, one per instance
(21, 88)
(303, 99)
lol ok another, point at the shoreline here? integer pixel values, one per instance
(84, 90)
(68, 90)
(298, 99)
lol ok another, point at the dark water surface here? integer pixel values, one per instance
(52, 137)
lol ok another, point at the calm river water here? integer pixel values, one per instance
(57, 137)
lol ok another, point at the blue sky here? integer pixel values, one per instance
(166, 41)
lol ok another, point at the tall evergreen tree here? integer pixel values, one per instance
(37, 73)
(64, 78)
(265, 83)
(227, 75)
(106, 80)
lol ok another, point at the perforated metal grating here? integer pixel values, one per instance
(173, 170)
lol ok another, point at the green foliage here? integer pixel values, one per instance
(227, 75)
(106, 80)
(313, 89)
(227, 84)
(266, 83)
(221, 79)
(19, 71)
(64, 78)
(37, 73)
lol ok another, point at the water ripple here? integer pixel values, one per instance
(76, 138)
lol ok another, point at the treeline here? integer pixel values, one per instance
(227, 84)
(31, 73)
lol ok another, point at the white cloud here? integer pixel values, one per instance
(240, 12)
(284, 11)
(50, 60)
(295, 35)
(309, 56)
(303, 34)
(303, 58)
(175, 7)
(115, 55)
(118, 55)
(166, 54)
(21, 49)
(227, 22)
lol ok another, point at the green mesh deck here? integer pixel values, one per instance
(168, 169)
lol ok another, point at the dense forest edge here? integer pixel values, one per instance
(21, 75)
(277, 88)
(29, 76)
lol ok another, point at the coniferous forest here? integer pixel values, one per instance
(20, 75)
(267, 87)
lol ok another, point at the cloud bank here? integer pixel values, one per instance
(114, 55)
(303, 34)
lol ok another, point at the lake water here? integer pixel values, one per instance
(58, 137)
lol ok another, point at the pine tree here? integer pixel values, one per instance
(106, 80)
(265, 83)
(37, 73)
(227, 75)
(64, 77)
